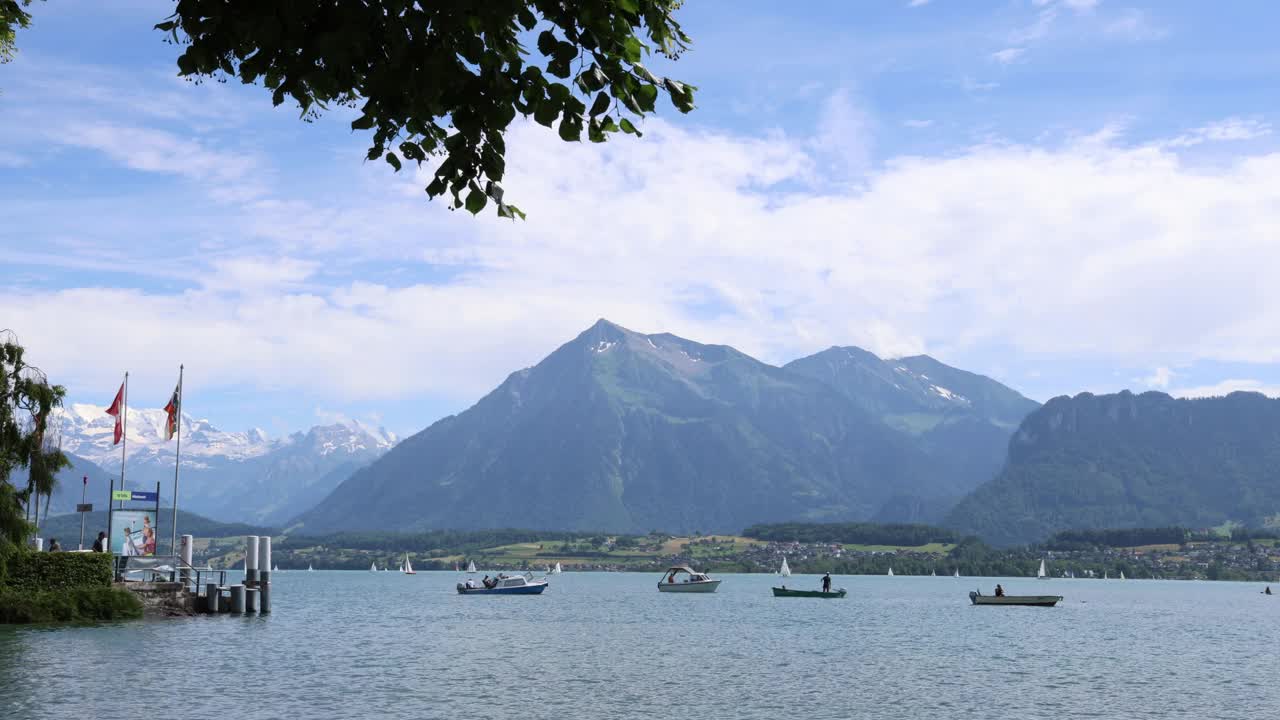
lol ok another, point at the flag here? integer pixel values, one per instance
(117, 409)
(173, 410)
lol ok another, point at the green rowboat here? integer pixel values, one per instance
(788, 592)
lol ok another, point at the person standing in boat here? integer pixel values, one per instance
(999, 591)
(826, 583)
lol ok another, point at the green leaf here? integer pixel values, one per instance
(527, 19)
(601, 104)
(547, 43)
(571, 129)
(646, 96)
(476, 201)
(546, 112)
(364, 122)
(631, 48)
(393, 161)
(627, 127)
(630, 6)
(436, 188)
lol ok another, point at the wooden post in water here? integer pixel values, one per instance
(251, 561)
(264, 574)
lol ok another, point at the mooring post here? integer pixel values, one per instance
(185, 574)
(237, 599)
(251, 600)
(251, 561)
(264, 574)
(212, 594)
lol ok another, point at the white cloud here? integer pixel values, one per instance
(1224, 130)
(843, 140)
(917, 3)
(1008, 55)
(972, 85)
(917, 124)
(1091, 248)
(1159, 378)
(1226, 387)
(1133, 24)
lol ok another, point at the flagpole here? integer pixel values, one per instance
(124, 432)
(177, 460)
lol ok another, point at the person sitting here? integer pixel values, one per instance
(672, 579)
(54, 546)
(999, 591)
(1267, 591)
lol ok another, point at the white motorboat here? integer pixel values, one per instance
(696, 582)
(504, 585)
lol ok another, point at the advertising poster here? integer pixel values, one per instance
(134, 531)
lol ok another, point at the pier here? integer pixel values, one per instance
(172, 586)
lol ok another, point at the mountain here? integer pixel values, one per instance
(1126, 461)
(960, 419)
(622, 431)
(231, 476)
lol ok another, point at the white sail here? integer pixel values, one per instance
(933, 574)
(890, 572)
(373, 567)
(471, 566)
(784, 571)
(1104, 575)
(1121, 574)
(559, 569)
(1041, 573)
(309, 568)
(957, 572)
(408, 567)
(275, 569)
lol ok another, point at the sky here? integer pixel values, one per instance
(1065, 195)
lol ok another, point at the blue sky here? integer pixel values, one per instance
(1067, 195)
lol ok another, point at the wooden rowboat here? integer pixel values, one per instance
(1028, 600)
(788, 592)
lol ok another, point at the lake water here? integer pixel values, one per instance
(597, 645)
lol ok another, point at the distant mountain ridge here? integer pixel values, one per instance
(619, 430)
(229, 476)
(1128, 461)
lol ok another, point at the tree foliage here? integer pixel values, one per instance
(902, 535)
(26, 402)
(13, 17)
(445, 78)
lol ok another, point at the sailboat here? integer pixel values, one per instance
(407, 569)
(890, 572)
(784, 571)
(1104, 575)
(275, 569)
(558, 569)
(1121, 574)
(1040, 574)
(309, 568)
(933, 574)
(373, 567)
(957, 572)
(471, 567)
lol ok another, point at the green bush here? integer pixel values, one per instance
(35, 572)
(84, 604)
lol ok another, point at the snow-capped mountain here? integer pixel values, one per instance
(242, 476)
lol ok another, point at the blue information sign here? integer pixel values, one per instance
(144, 496)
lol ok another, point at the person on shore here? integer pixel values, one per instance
(999, 591)
(100, 545)
(826, 583)
(54, 546)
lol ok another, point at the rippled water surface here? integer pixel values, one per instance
(360, 645)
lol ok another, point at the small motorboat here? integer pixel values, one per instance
(505, 585)
(978, 598)
(696, 582)
(785, 591)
